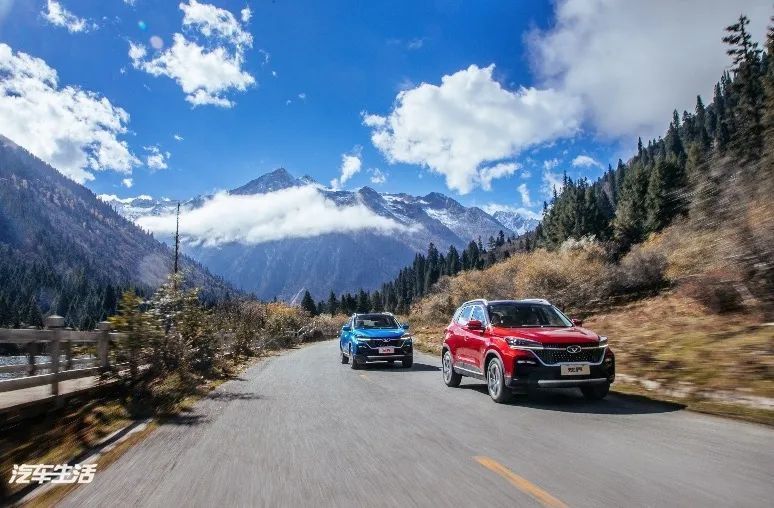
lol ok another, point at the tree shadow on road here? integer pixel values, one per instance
(230, 396)
(396, 367)
(183, 419)
(569, 400)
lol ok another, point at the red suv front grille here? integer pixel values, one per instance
(561, 355)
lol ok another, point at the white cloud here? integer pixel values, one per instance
(550, 164)
(377, 176)
(524, 192)
(74, 130)
(350, 165)
(59, 16)
(299, 212)
(410, 44)
(632, 63)
(178, 137)
(552, 182)
(156, 159)
(215, 22)
(405, 84)
(415, 43)
(302, 96)
(373, 120)
(487, 174)
(266, 56)
(127, 182)
(492, 208)
(246, 14)
(274, 73)
(112, 198)
(468, 122)
(584, 161)
(206, 70)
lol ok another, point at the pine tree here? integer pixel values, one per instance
(333, 304)
(34, 317)
(656, 199)
(377, 302)
(453, 262)
(768, 84)
(628, 224)
(747, 88)
(432, 268)
(307, 303)
(721, 114)
(700, 124)
(363, 302)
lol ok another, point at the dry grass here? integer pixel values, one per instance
(60, 436)
(678, 343)
(579, 279)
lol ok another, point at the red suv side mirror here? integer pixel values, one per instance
(577, 322)
(474, 324)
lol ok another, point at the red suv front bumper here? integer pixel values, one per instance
(527, 371)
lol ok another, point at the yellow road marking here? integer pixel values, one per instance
(520, 483)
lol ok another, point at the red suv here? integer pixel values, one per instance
(519, 345)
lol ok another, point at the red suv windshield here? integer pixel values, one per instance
(522, 315)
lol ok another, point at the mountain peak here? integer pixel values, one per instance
(275, 180)
(438, 200)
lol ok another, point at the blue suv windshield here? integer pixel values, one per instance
(371, 321)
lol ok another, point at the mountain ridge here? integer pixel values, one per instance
(281, 268)
(58, 231)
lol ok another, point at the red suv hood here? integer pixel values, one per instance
(571, 335)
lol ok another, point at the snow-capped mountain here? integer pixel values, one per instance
(337, 261)
(515, 221)
(140, 206)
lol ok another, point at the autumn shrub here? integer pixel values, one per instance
(572, 277)
(321, 327)
(715, 290)
(282, 324)
(642, 271)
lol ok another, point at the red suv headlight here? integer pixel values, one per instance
(519, 343)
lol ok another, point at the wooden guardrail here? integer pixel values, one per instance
(59, 342)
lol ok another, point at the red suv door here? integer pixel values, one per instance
(456, 337)
(476, 340)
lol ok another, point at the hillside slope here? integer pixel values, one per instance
(62, 247)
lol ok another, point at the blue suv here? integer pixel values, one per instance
(376, 337)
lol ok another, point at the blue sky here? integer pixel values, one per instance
(321, 81)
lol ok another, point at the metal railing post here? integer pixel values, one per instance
(68, 352)
(55, 324)
(102, 346)
(31, 350)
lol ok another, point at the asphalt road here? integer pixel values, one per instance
(301, 429)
